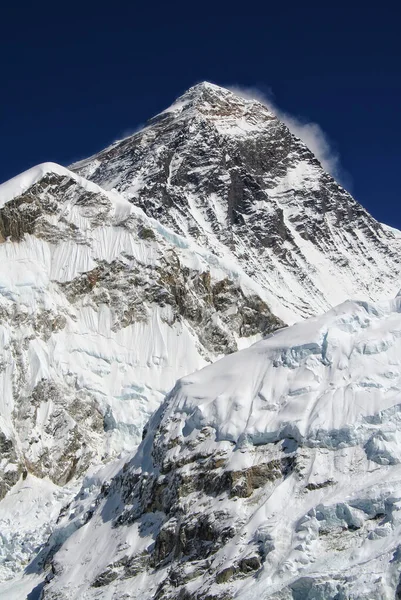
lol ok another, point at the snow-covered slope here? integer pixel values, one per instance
(224, 171)
(207, 230)
(102, 310)
(285, 483)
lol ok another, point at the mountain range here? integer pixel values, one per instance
(210, 249)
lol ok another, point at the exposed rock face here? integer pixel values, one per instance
(131, 291)
(258, 486)
(61, 445)
(227, 173)
(179, 503)
(95, 267)
(11, 468)
(209, 229)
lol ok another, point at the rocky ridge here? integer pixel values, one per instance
(224, 171)
(101, 310)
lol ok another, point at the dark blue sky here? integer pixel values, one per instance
(77, 76)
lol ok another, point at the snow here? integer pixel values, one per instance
(126, 370)
(323, 260)
(187, 99)
(329, 389)
(395, 232)
(325, 390)
(129, 371)
(21, 183)
(149, 356)
(27, 516)
(312, 381)
(69, 258)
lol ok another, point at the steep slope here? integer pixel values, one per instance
(101, 310)
(227, 173)
(204, 232)
(282, 484)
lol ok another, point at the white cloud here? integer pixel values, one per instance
(129, 132)
(310, 133)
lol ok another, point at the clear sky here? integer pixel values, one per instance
(77, 76)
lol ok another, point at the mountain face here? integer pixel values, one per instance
(211, 228)
(225, 172)
(283, 484)
(102, 310)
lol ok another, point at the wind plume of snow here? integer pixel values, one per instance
(309, 132)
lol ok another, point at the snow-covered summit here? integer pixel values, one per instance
(20, 184)
(221, 106)
(223, 171)
(207, 230)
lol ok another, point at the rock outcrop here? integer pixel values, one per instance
(284, 484)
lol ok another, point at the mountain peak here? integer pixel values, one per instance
(207, 85)
(220, 105)
(207, 230)
(225, 172)
(205, 88)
